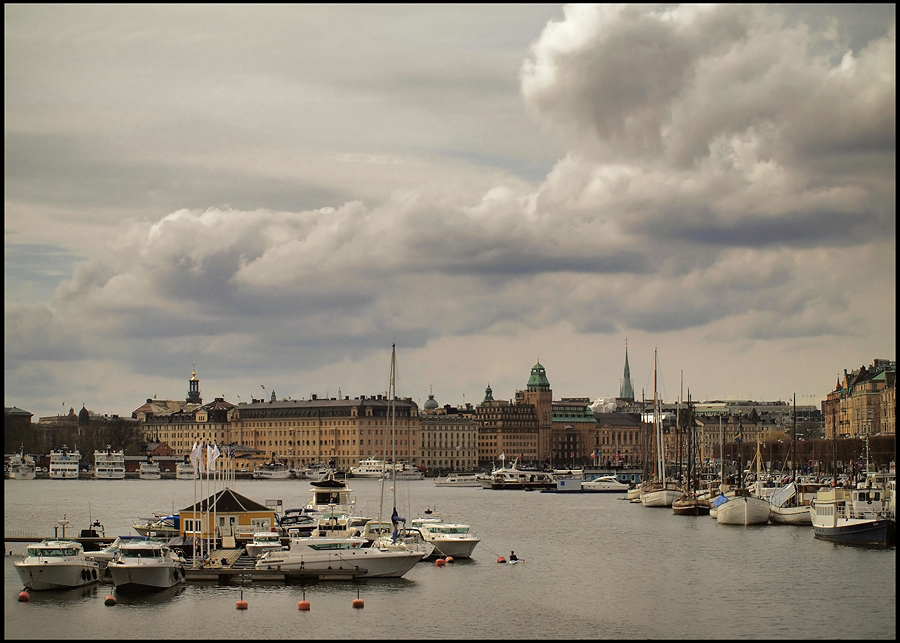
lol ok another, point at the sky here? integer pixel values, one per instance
(273, 195)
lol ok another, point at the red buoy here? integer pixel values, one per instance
(303, 606)
(241, 605)
(110, 600)
(449, 559)
(440, 562)
(24, 596)
(358, 603)
(501, 559)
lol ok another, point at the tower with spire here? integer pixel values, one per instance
(626, 390)
(193, 396)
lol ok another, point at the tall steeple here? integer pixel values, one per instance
(626, 390)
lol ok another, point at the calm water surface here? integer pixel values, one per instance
(595, 567)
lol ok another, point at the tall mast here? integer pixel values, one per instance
(394, 425)
(660, 457)
(794, 442)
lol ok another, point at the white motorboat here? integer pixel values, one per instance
(608, 483)
(272, 470)
(512, 477)
(160, 526)
(743, 509)
(56, 564)
(150, 470)
(335, 554)
(64, 464)
(105, 555)
(460, 480)
(109, 464)
(449, 539)
(329, 494)
(384, 535)
(262, 542)
(146, 565)
(369, 468)
(786, 508)
(21, 466)
(185, 471)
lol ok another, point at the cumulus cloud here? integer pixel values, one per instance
(721, 162)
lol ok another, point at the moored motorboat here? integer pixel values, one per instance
(460, 480)
(262, 542)
(449, 539)
(56, 564)
(340, 554)
(146, 565)
(609, 484)
(159, 526)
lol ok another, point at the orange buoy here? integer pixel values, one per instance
(449, 559)
(440, 562)
(24, 596)
(358, 603)
(303, 606)
(110, 600)
(501, 559)
(241, 605)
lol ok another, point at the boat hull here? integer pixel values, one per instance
(368, 562)
(872, 533)
(791, 516)
(744, 510)
(659, 497)
(50, 576)
(692, 507)
(145, 577)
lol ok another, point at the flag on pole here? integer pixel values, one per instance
(502, 456)
(212, 452)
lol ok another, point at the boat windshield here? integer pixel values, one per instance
(338, 545)
(51, 551)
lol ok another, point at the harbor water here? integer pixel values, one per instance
(595, 566)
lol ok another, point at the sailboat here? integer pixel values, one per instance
(394, 535)
(787, 508)
(744, 508)
(661, 491)
(689, 504)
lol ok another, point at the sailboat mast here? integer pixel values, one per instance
(660, 458)
(394, 425)
(794, 442)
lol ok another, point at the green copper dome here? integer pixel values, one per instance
(538, 380)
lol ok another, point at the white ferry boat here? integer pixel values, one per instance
(272, 470)
(150, 470)
(21, 466)
(109, 464)
(369, 468)
(185, 471)
(460, 480)
(64, 464)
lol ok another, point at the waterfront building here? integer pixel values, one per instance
(508, 429)
(619, 439)
(539, 394)
(572, 432)
(863, 402)
(449, 436)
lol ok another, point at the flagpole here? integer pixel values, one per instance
(195, 475)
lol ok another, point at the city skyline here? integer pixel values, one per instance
(277, 194)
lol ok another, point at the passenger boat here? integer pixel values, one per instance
(860, 516)
(272, 470)
(150, 470)
(64, 464)
(21, 466)
(146, 565)
(608, 484)
(262, 542)
(369, 468)
(334, 554)
(185, 471)
(460, 480)
(512, 477)
(449, 539)
(56, 564)
(109, 464)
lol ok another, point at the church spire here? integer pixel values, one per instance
(626, 390)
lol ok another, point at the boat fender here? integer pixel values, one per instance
(94, 574)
